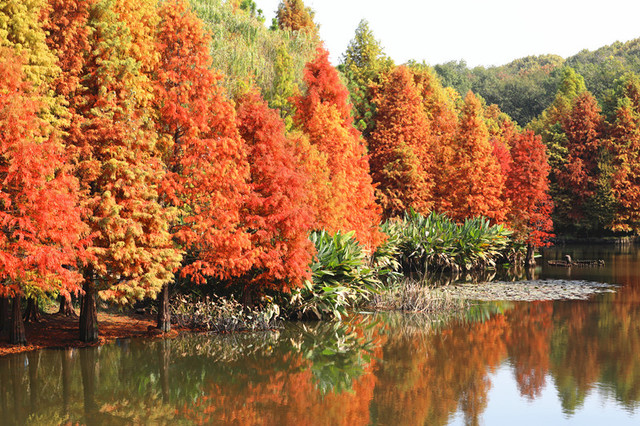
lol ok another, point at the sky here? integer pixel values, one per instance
(481, 32)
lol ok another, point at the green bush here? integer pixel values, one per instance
(341, 278)
(436, 243)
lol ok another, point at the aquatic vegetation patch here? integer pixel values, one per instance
(528, 291)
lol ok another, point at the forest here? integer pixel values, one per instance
(149, 147)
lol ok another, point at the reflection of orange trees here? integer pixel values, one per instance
(528, 342)
(425, 378)
(283, 398)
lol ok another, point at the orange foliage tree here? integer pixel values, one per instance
(41, 220)
(477, 180)
(400, 158)
(324, 115)
(276, 212)
(293, 15)
(205, 156)
(116, 152)
(625, 152)
(527, 191)
(440, 110)
(577, 177)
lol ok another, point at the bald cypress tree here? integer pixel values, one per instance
(401, 157)
(324, 115)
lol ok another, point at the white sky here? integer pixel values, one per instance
(482, 32)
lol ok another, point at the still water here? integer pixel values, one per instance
(563, 362)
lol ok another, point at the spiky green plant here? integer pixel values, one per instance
(341, 278)
(435, 243)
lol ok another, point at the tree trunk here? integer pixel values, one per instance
(16, 334)
(247, 297)
(164, 310)
(4, 314)
(88, 311)
(529, 259)
(66, 306)
(32, 313)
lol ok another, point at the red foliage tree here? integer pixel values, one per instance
(625, 152)
(527, 191)
(206, 158)
(400, 161)
(476, 183)
(578, 176)
(277, 214)
(324, 114)
(41, 220)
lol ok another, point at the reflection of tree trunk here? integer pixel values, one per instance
(88, 311)
(4, 314)
(529, 259)
(164, 313)
(88, 371)
(16, 367)
(16, 334)
(165, 359)
(66, 378)
(32, 313)
(34, 381)
(5, 392)
(66, 306)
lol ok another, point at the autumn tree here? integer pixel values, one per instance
(400, 159)
(549, 123)
(476, 181)
(579, 186)
(293, 15)
(206, 159)
(116, 152)
(324, 114)
(625, 157)
(440, 108)
(364, 64)
(42, 228)
(527, 192)
(20, 30)
(276, 212)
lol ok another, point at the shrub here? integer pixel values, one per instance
(221, 314)
(341, 278)
(435, 243)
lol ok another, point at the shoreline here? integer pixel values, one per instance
(56, 331)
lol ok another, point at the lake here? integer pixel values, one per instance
(562, 362)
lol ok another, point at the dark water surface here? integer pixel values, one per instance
(542, 363)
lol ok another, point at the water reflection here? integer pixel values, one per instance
(378, 369)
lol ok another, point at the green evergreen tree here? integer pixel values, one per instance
(364, 63)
